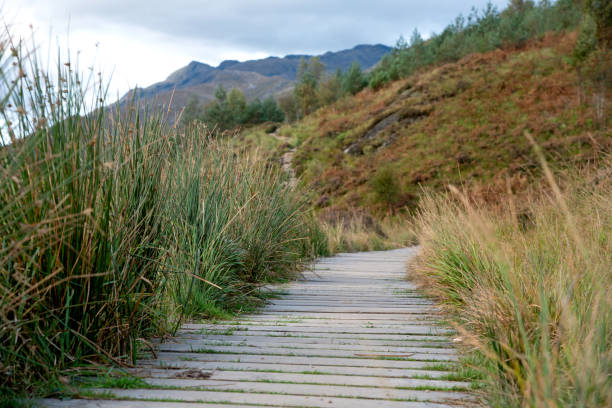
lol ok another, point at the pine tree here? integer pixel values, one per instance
(354, 80)
(192, 111)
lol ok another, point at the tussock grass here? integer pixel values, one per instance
(529, 286)
(115, 226)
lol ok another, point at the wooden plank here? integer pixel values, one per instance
(271, 340)
(413, 329)
(313, 348)
(169, 364)
(244, 393)
(299, 378)
(307, 352)
(275, 359)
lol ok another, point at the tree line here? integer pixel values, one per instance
(488, 29)
(313, 89)
(230, 110)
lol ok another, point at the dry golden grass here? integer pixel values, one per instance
(528, 286)
(358, 232)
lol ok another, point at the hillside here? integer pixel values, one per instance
(461, 123)
(256, 78)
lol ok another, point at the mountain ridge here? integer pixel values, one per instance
(259, 78)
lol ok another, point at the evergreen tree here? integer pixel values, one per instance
(271, 111)
(192, 110)
(354, 80)
(330, 88)
(254, 112)
(220, 94)
(237, 106)
(305, 91)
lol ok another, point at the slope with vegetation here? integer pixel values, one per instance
(459, 122)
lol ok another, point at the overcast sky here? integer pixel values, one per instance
(142, 41)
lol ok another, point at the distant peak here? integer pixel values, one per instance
(197, 64)
(228, 63)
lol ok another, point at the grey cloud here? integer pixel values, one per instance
(274, 27)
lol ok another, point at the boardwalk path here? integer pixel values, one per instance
(351, 334)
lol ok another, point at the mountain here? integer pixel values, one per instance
(255, 78)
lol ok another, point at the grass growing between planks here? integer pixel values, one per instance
(529, 286)
(115, 226)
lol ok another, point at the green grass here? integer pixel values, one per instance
(122, 381)
(115, 226)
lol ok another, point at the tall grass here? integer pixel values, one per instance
(529, 286)
(356, 231)
(235, 221)
(108, 221)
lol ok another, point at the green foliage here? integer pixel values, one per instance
(315, 89)
(330, 89)
(305, 91)
(354, 80)
(230, 109)
(192, 110)
(288, 104)
(601, 12)
(115, 226)
(385, 186)
(592, 56)
(587, 41)
(481, 31)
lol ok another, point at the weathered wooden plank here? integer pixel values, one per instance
(300, 378)
(414, 329)
(244, 392)
(278, 351)
(275, 359)
(249, 347)
(167, 363)
(271, 340)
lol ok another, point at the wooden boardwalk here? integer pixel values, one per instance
(352, 333)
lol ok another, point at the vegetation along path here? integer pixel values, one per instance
(351, 333)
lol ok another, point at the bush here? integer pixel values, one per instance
(387, 190)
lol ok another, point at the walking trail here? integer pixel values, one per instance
(351, 333)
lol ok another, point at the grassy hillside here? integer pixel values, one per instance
(459, 123)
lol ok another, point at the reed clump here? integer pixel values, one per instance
(115, 226)
(529, 287)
